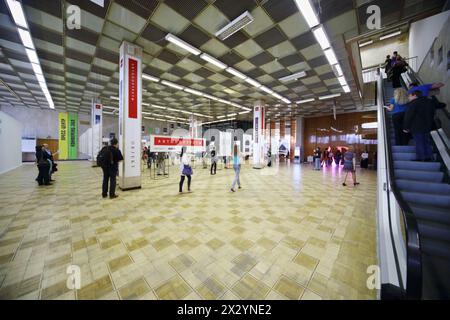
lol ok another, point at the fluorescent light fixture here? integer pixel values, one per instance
(17, 12)
(308, 11)
(157, 107)
(234, 26)
(192, 91)
(342, 81)
(394, 34)
(370, 125)
(331, 57)
(306, 100)
(26, 38)
(253, 82)
(286, 100)
(265, 89)
(244, 112)
(145, 112)
(346, 88)
(330, 96)
(294, 76)
(236, 73)
(36, 68)
(338, 70)
(210, 97)
(186, 46)
(365, 43)
(220, 117)
(276, 95)
(150, 78)
(171, 84)
(114, 98)
(146, 104)
(32, 56)
(40, 78)
(321, 37)
(213, 61)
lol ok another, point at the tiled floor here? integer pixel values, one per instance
(291, 234)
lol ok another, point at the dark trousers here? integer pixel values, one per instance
(364, 163)
(109, 176)
(43, 177)
(396, 75)
(213, 167)
(401, 138)
(182, 182)
(424, 150)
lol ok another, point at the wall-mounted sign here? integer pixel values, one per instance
(172, 144)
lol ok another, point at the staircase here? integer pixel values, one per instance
(423, 188)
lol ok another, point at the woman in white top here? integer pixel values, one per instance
(185, 168)
(236, 167)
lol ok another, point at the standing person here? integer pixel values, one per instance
(337, 158)
(387, 64)
(186, 169)
(110, 157)
(213, 161)
(161, 163)
(237, 168)
(397, 107)
(51, 161)
(350, 166)
(419, 119)
(398, 67)
(43, 166)
(365, 159)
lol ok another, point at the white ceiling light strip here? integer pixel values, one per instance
(312, 19)
(219, 64)
(15, 7)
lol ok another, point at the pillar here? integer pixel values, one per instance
(300, 134)
(97, 129)
(258, 135)
(130, 115)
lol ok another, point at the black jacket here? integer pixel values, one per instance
(116, 156)
(419, 116)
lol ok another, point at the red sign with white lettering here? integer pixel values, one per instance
(132, 88)
(179, 142)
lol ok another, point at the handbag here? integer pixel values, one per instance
(187, 170)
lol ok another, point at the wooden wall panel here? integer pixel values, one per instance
(53, 145)
(345, 123)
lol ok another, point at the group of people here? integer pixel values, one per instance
(394, 67)
(327, 157)
(46, 164)
(413, 116)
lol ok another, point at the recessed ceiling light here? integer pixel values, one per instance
(236, 73)
(306, 101)
(365, 43)
(32, 56)
(308, 11)
(294, 76)
(331, 56)
(321, 37)
(26, 38)
(213, 61)
(234, 26)
(397, 33)
(182, 44)
(331, 96)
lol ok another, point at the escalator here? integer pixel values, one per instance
(423, 191)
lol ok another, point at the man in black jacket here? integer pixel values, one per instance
(419, 119)
(110, 169)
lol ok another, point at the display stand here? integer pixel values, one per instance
(164, 172)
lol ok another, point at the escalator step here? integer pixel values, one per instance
(431, 213)
(434, 231)
(435, 248)
(417, 175)
(415, 165)
(441, 201)
(423, 187)
(402, 149)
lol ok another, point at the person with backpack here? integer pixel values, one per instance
(108, 159)
(43, 166)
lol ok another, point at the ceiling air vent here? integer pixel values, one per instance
(234, 26)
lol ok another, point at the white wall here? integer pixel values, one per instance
(422, 34)
(376, 53)
(11, 142)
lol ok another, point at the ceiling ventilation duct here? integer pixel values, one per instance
(234, 26)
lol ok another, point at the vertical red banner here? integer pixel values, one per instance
(132, 88)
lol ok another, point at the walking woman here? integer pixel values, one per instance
(186, 169)
(237, 168)
(350, 166)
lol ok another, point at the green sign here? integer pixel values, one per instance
(73, 136)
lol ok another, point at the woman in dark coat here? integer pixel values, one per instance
(43, 165)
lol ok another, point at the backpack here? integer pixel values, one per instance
(104, 157)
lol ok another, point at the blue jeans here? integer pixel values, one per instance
(423, 146)
(237, 171)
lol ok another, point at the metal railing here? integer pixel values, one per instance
(370, 74)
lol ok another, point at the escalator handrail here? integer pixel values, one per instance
(413, 251)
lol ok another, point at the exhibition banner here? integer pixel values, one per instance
(73, 136)
(172, 144)
(63, 119)
(258, 135)
(130, 120)
(96, 124)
